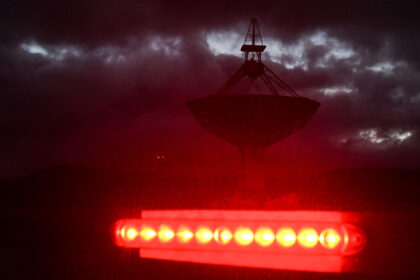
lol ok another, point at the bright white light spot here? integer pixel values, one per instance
(34, 48)
(401, 136)
(52, 52)
(331, 91)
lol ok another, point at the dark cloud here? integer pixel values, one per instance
(105, 82)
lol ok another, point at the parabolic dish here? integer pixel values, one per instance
(258, 120)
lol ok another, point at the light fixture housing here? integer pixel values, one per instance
(288, 240)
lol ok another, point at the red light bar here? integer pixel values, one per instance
(291, 240)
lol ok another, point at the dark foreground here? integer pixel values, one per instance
(57, 224)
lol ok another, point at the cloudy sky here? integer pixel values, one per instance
(104, 83)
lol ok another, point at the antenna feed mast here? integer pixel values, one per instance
(253, 47)
(253, 36)
(254, 68)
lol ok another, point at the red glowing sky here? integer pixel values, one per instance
(104, 84)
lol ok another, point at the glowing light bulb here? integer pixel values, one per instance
(308, 237)
(131, 233)
(165, 233)
(122, 232)
(184, 234)
(329, 238)
(147, 233)
(204, 235)
(286, 237)
(222, 235)
(244, 236)
(264, 236)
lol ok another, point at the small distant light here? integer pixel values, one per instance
(132, 233)
(286, 237)
(222, 235)
(165, 233)
(329, 238)
(184, 234)
(264, 236)
(308, 237)
(147, 233)
(244, 236)
(204, 235)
